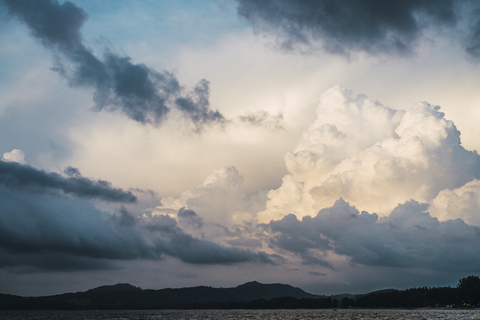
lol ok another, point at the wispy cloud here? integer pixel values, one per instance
(135, 90)
(16, 176)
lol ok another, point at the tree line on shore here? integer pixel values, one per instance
(465, 295)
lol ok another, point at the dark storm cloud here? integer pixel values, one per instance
(23, 177)
(408, 238)
(36, 226)
(195, 251)
(173, 241)
(41, 232)
(72, 172)
(372, 26)
(125, 219)
(197, 107)
(190, 217)
(473, 42)
(137, 91)
(48, 261)
(289, 235)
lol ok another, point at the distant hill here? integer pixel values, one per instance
(255, 290)
(114, 288)
(126, 296)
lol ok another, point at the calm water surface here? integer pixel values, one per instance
(243, 314)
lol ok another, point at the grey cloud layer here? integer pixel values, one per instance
(46, 231)
(175, 242)
(372, 26)
(408, 238)
(36, 226)
(23, 177)
(135, 90)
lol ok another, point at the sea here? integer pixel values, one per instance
(343, 314)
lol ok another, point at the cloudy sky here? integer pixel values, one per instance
(330, 145)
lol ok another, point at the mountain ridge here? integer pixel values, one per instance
(124, 295)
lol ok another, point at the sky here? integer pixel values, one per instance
(329, 145)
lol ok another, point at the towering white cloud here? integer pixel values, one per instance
(372, 156)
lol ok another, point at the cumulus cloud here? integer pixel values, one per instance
(135, 90)
(16, 176)
(372, 156)
(459, 203)
(219, 210)
(409, 237)
(14, 156)
(219, 199)
(374, 27)
(41, 232)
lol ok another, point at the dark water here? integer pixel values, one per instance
(243, 314)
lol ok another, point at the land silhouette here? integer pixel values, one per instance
(251, 295)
